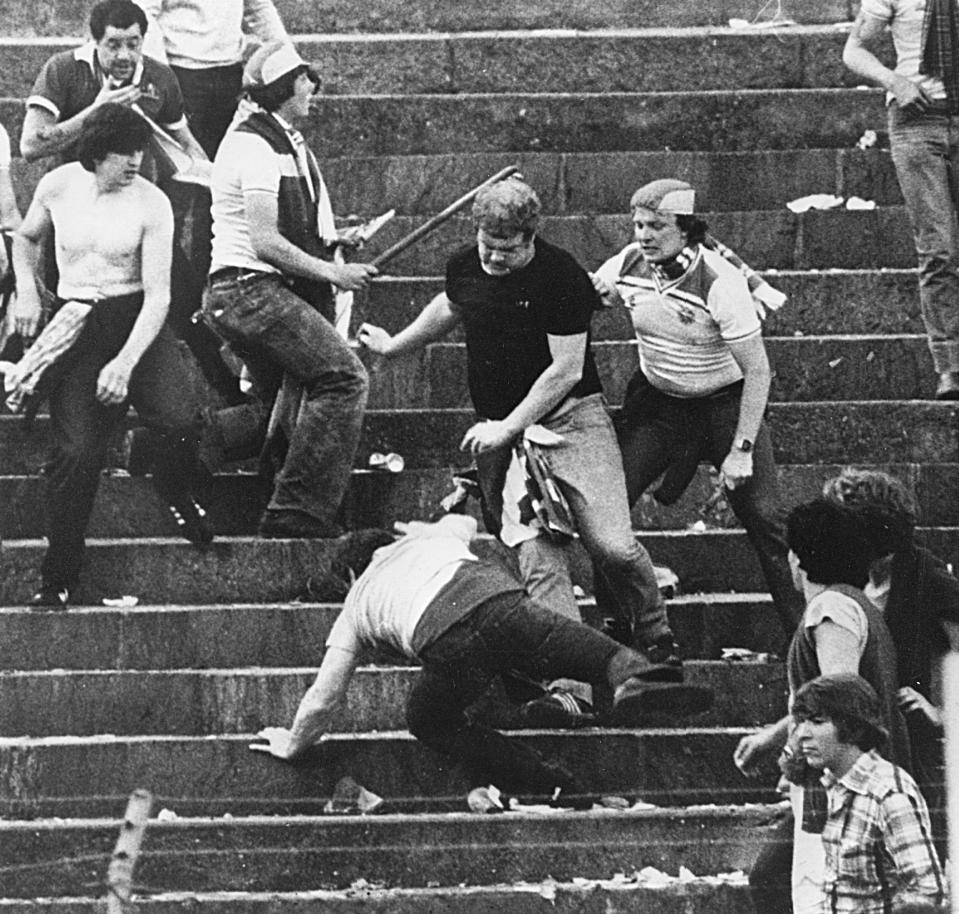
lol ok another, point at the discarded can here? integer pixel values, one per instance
(391, 463)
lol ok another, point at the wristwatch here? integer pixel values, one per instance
(744, 445)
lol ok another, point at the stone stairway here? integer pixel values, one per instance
(424, 100)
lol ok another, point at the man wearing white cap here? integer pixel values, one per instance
(271, 286)
(703, 382)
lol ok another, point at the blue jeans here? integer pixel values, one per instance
(925, 151)
(277, 332)
(504, 634)
(588, 468)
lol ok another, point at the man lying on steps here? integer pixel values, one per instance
(467, 620)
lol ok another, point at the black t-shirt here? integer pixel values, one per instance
(507, 320)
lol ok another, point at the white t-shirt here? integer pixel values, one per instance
(388, 600)
(904, 18)
(244, 163)
(4, 147)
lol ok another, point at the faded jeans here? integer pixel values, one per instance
(588, 468)
(277, 332)
(925, 151)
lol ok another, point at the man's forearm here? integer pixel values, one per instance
(145, 330)
(752, 406)
(294, 261)
(547, 392)
(49, 139)
(433, 323)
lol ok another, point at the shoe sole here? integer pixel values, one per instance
(660, 701)
(555, 718)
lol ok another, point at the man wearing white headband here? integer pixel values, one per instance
(703, 382)
(271, 288)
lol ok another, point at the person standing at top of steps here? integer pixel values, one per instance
(840, 632)
(203, 44)
(703, 380)
(922, 94)
(114, 234)
(270, 290)
(467, 621)
(526, 307)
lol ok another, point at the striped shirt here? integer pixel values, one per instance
(877, 840)
(684, 326)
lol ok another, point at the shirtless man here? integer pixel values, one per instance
(113, 245)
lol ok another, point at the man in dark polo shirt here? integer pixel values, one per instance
(526, 307)
(110, 68)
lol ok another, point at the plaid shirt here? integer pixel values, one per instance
(877, 840)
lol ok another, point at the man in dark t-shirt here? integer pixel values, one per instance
(525, 306)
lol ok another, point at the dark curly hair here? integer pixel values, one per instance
(886, 505)
(831, 542)
(121, 14)
(111, 128)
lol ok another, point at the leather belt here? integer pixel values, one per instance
(237, 275)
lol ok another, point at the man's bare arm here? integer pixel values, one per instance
(860, 57)
(318, 706)
(433, 323)
(262, 214)
(548, 390)
(43, 135)
(26, 259)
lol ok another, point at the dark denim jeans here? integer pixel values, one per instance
(925, 151)
(505, 634)
(210, 97)
(277, 332)
(82, 427)
(662, 431)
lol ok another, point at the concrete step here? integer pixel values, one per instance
(238, 569)
(589, 182)
(240, 700)
(69, 17)
(873, 432)
(721, 121)
(218, 775)
(606, 60)
(805, 369)
(821, 302)
(293, 635)
(54, 858)
(128, 507)
(602, 182)
(619, 895)
(766, 239)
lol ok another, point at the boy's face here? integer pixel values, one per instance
(819, 743)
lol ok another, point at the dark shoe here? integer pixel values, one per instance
(296, 525)
(640, 702)
(948, 387)
(191, 520)
(557, 710)
(663, 651)
(49, 597)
